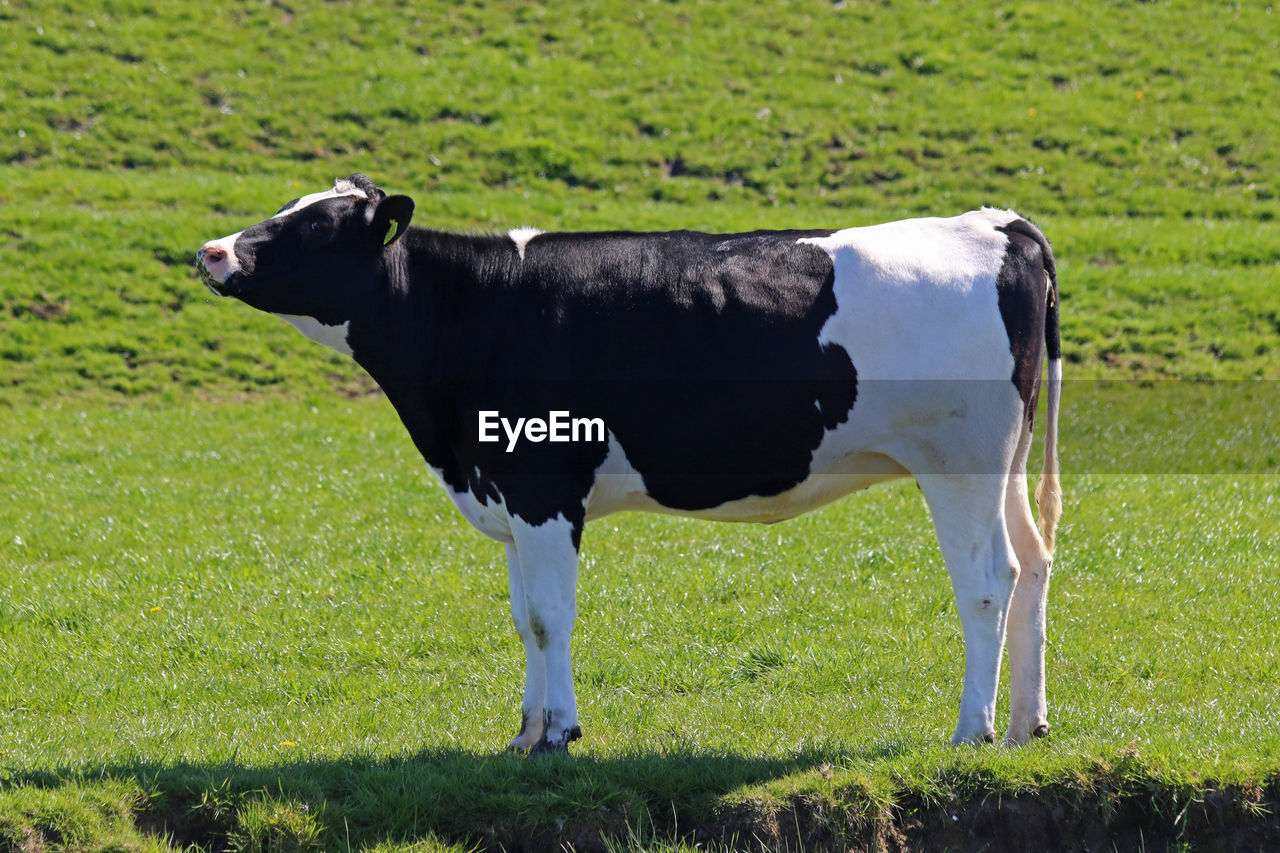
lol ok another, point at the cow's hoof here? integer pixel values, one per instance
(527, 739)
(546, 746)
(1026, 736)
(975, 740)
(520, 745)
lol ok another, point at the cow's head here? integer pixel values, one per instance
(310, 257)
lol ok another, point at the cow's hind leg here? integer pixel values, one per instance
(968, 513)
(535, 674)
(1028, 709)
(548, 560)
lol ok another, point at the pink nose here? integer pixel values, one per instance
(212, 254)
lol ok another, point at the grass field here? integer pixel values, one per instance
(237, 613)
(193, 615)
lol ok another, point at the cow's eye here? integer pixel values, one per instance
(317, 226)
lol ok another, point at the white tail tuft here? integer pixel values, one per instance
(1049, 489)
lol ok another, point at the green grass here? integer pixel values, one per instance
(209, 599)
(1137, 134)
(236, 612)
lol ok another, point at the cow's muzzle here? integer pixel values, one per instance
(208, 279)
(215, 267)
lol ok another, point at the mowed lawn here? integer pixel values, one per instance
(270, 601)
(237, 612)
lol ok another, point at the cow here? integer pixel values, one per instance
(734, 377)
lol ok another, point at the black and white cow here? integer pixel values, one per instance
(736, 377)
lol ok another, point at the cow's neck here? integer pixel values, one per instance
(434, 295)
(419, 339)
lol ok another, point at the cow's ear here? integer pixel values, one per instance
(391, 218)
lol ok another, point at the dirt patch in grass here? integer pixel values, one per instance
(1226, 819)
(1222, 819)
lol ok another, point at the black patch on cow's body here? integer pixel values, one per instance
(700, 352)
(1025, 309)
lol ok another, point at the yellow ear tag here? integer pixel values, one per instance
(391, 233)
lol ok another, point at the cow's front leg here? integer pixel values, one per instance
(535, 673)
(547, 557)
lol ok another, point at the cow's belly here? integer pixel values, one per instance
(619, 487)
(850, 474)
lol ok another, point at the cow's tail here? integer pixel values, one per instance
(1049, 489)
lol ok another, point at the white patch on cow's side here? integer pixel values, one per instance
(521, 237)
(340, 188)
(334, 337)
(918, 313)
(912, 289)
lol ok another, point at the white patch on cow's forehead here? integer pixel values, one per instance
(340, 188)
